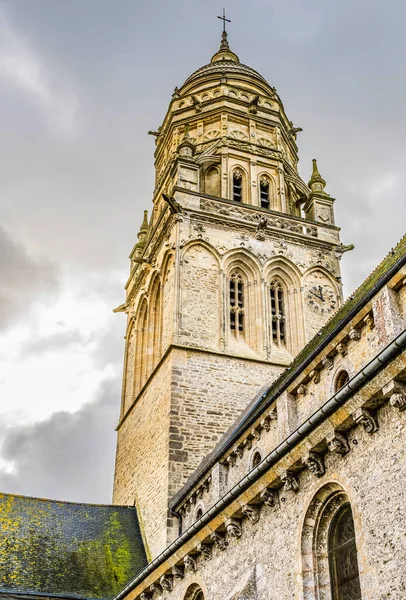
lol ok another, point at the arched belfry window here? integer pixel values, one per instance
(237, 304)
(342, 557)
(264, 192)
(278, 313)
(237, 185)
(342, 379)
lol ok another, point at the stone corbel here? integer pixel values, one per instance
(315, 376)
(166, 582)
(315, 463)
(367, 419)
(219, 540)
(290, 482)
(247, 443)
(342, 348)
(178, 572)
(327, 363)
(251, 512)
(396, 392)
(231, 459)
(256, 434)
(156, 588)
(301, 391)
(337, 442)
(369, 321)
(270, 497)
(190, 563)
(205, 550)
(354, 334)
(239, 451)
(233, 527)
(145, 596)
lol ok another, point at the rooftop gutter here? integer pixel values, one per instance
(337, 400)
(266, 400)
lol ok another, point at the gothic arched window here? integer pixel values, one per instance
(264, 192)
(237, 304)
(237, 185)
(212, 181)
(278, 313)
(342, 557)
(341, 380)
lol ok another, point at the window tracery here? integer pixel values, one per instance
(264, 192)
(278, 313)
(237, 304)
(237, 185)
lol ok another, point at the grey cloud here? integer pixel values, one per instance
(24, 280)
(69, 456)
(53, 343)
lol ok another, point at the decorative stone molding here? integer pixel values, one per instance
(219, 540)
(270, 497)
(354, 334)
(301, 391)
(367, 419)
(315, 376)
(396, 392)
(290, 482)
(233, 527)
(166, 582)
(178, 572)
(190, 563)
(337, 442)
(239, 451)
(251, 512)
(256, 434)
(145, 596)
(231, 459)
(369, 321)
(205, 550)
(315, 463)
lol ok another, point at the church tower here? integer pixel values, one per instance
(236, 269)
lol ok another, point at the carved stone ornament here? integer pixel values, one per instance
(396, 392)
(315, 463)
(190, 563)
(251, 512)
(145, 596)
(231, 459)
(301, 390)
(337, 442)
(315, 376)
(178, 571)
(205, 550)
(166, 582)
(398, 401)
(269, 497)
(239, 451)
(290, 482)
(342, 348)
(256, 434)
(233, 527)
(369, 321)
(355, 334)
(247, 443)
(156, 588)
(219, 540)
(367, 419)
(327, 362)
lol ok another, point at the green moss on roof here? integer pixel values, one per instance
(66, 548)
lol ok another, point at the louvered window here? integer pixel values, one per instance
(237, 185)
(264, 192)
(278, 313)
(237, 304)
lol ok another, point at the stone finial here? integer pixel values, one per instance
(186, 147)
(317, 183)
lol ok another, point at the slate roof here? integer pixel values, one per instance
(68, 549)
(393, 261)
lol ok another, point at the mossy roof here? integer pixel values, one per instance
(393, 261)
(68, 549)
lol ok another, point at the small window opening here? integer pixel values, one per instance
(256, 459)
(277, 313)
(199, 513)
(237, 185)
(237, 304)
(342, 557)
(342, 379)
(264, 192)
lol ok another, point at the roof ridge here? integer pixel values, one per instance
(8, 494)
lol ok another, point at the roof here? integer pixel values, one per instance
(394, 260)
(227, 67)
(67, 549)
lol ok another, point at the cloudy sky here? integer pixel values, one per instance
(81, 83)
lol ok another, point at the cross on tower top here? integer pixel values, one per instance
(223, 18)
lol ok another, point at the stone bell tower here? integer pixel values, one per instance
(237, 268)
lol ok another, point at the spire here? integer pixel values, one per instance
(317, 183)
(224, 53)
(144, 226)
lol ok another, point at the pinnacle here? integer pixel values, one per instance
(317, 183)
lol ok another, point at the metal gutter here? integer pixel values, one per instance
(266, 400)
(337, 400)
